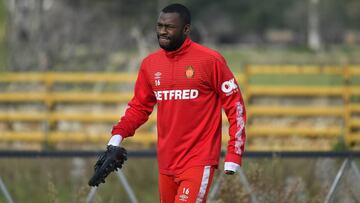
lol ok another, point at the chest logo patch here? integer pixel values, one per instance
(189, 72)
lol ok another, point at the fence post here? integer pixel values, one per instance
(91, 195)
(214, 191)
(243, 180)
(5, 192)
(123, 181)
(346, 100)
(338, 176)
(48, 80)
(126, 185)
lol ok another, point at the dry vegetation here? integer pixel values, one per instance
(272, 180)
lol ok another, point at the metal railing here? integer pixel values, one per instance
(346, 112)
(348, 157)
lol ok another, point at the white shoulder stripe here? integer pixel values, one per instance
(204, 184)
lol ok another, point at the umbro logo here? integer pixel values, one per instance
(157, 75)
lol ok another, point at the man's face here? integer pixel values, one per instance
(171, 31)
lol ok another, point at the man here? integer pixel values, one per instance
(189, 83)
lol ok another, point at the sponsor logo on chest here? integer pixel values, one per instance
(185, 94)
(176, 94)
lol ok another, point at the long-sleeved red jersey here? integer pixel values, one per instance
(189, 85)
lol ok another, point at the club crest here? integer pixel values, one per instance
(189, 72)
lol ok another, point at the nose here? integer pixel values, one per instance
(161, 29)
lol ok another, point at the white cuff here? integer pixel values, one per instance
(115, 140)
(231, 166)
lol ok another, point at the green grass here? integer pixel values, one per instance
(273, 180)
(238, 57)
(54, 180)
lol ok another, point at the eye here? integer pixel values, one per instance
(166, 26)
(171, 26)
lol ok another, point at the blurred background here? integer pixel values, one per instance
(68, 67)
(81, 35)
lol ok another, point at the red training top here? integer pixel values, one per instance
(190, 85)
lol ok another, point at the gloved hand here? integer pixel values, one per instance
(111, 160)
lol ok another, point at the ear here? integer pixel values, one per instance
(187, 29)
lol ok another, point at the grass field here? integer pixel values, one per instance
(272, 180)
(238, 57)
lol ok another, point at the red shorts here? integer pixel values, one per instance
(191, 186)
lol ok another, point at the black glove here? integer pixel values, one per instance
(111, 160)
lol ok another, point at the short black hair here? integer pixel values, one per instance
(181, 10)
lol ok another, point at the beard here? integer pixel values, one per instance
(170, 43)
